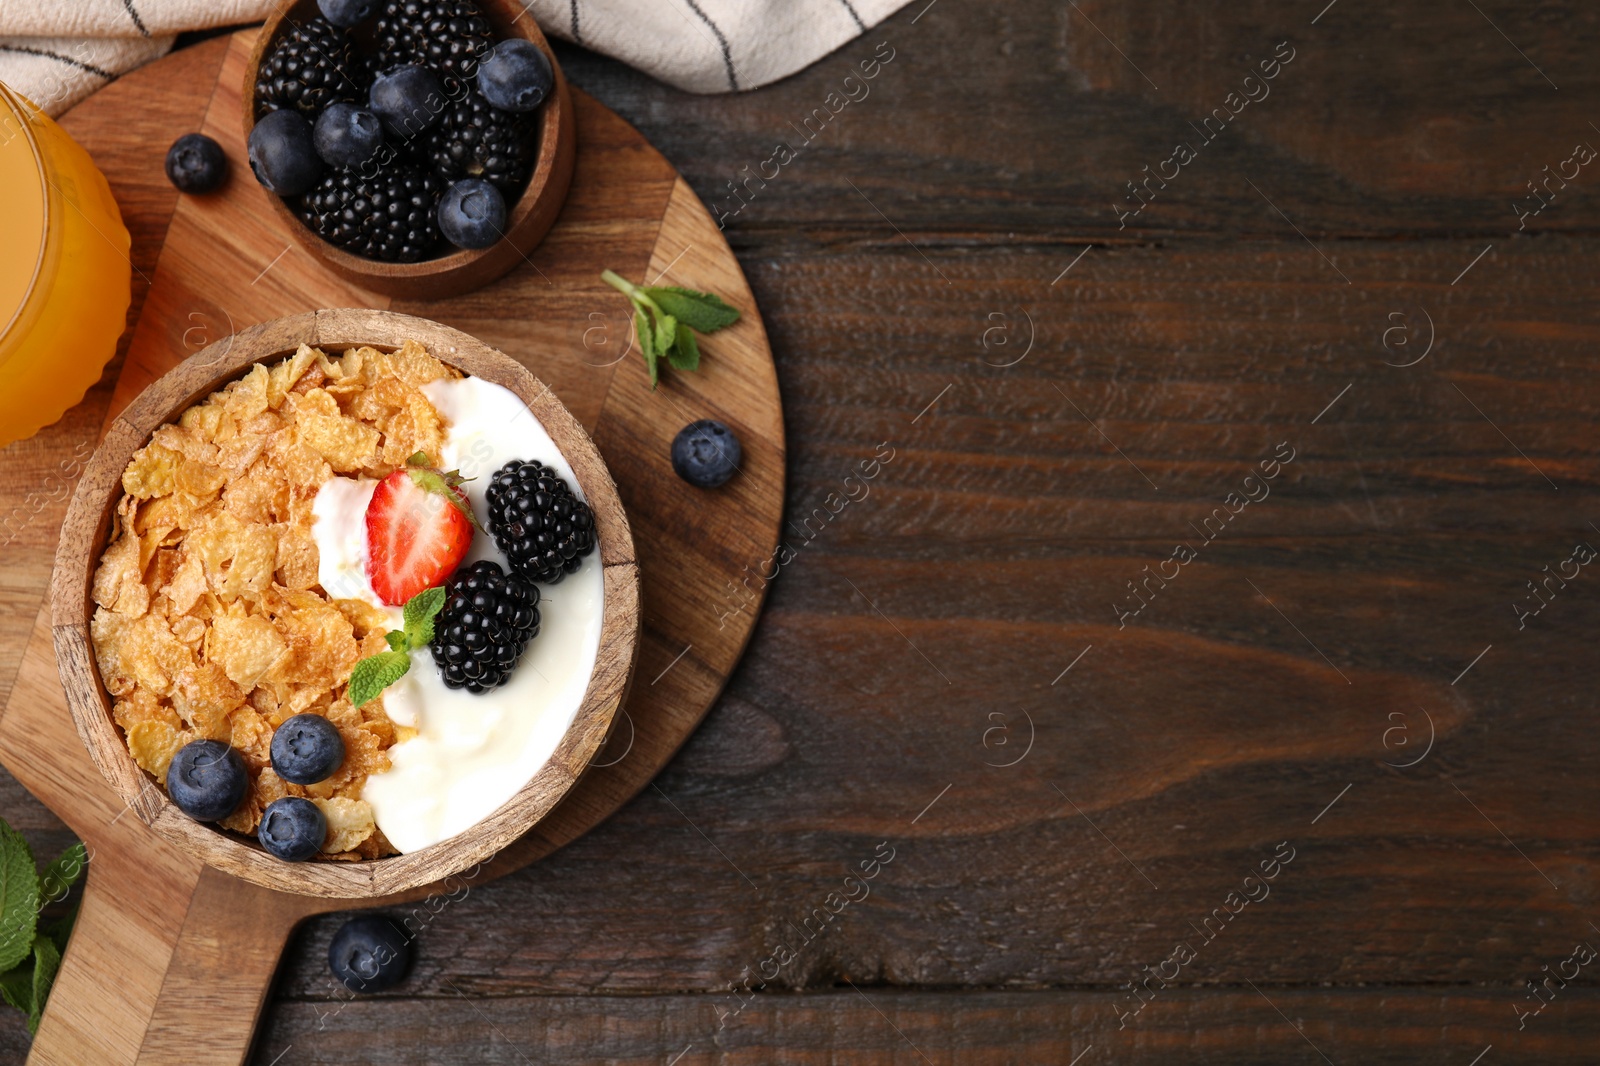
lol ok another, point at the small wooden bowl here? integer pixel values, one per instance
(87, 529)
(530, 218)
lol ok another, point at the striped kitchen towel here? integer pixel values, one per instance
(56, 52)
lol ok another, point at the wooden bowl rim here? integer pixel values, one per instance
(86, 529)
(556, 122)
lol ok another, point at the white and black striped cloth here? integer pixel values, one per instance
(56, 52)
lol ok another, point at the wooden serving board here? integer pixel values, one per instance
(170, 960)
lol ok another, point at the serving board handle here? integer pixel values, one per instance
(112, 1004)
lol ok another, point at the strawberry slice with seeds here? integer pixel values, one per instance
(419, 527)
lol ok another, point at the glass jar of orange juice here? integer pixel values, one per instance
(65, 275)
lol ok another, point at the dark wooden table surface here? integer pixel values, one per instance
(1075, 656)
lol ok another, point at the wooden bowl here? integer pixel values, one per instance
(530, 218)
(87, 529)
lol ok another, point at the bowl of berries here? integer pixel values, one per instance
(345, 603)
(421, 148)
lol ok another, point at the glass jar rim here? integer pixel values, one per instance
(19, 109)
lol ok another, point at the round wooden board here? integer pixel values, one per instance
(172, 960)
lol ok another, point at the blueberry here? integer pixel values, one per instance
(207, 780)
(346, 135)
(306, 749)
(347, 13)
(292, 828)
(369, 954)
(282, 155)
(516, 75)
(706, 453)
(195, 163)
(472, 214)
(408, 100)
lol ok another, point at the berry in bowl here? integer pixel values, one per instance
(345, 603)
(419, 147)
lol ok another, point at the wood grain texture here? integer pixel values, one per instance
(1209, 1027)
(1002, 532)
(207, 248)
(1024, 125)
(529, 218)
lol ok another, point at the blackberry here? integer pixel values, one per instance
(487, 620)
(391, 214)
(448, 35)
(542, 527)
(474, 139)
(310, 67)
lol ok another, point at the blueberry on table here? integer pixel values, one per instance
(207, 780)
(307, 748)
(407, 99)
(195, 163)
(292, 829)
(706, 453)
(369, 954)
(282, 156)
(346, 135)
(516, 76)
(347, 13)
(472, 214)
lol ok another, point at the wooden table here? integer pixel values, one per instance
(1080, 742)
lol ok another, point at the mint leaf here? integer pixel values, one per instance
(686, 355)
(16, 988)
(46, 961)
(375, 673)
(19, 898)
(704, 312)
(679, 314)
(62, 873)
(641, 326)
(666, 335)
(419, 613)
(397, 640)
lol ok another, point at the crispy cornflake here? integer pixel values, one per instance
(246, 646)
(346, 444)
(118, 585)
(203, 695)
(260, 497)
(284, 376)
(349, 822)
(247, 397)
(210, 621)
(252, 735)
(151, 655)
(297, 558)
(187, 584)
(153, 744)
(153, 471)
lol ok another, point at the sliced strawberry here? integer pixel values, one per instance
(419, 527)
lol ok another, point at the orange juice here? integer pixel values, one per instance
(64, 270)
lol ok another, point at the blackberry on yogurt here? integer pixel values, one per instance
(487, 620)
(544, 529)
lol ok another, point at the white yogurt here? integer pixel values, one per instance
(471, 752)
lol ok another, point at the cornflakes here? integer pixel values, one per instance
(210, 620)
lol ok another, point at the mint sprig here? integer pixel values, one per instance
(377, 672)
(666, 319)
(29, 959)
